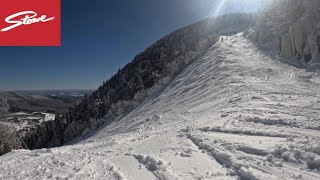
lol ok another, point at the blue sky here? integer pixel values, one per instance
(99, 37)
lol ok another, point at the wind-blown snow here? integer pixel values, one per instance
(234, 113)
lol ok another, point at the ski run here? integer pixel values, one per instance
(235, 113)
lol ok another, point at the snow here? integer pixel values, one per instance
(19, 114)
(234, 113)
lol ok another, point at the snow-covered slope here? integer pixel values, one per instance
(233, 113)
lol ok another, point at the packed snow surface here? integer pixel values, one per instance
(235, 113)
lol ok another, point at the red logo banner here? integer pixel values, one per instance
(30, 23)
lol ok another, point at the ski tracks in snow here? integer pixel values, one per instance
(236, 113)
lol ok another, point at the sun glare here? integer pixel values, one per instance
(219, 8)
(231, 6)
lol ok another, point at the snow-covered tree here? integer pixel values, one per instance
(4, 107)
(294, 24)
(278, 15)
(7, 140)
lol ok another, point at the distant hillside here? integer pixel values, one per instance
(35, 134)
(54, 101)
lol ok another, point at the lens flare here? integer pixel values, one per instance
(233, 6)
(219, 8)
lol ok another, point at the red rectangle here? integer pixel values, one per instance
(30, 23)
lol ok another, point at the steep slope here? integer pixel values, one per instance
(234, 112)
(149, 71)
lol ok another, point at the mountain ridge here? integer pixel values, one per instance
(149, 71)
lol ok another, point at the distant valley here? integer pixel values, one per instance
(51, 101)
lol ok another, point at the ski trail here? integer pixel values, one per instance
(235, 113)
